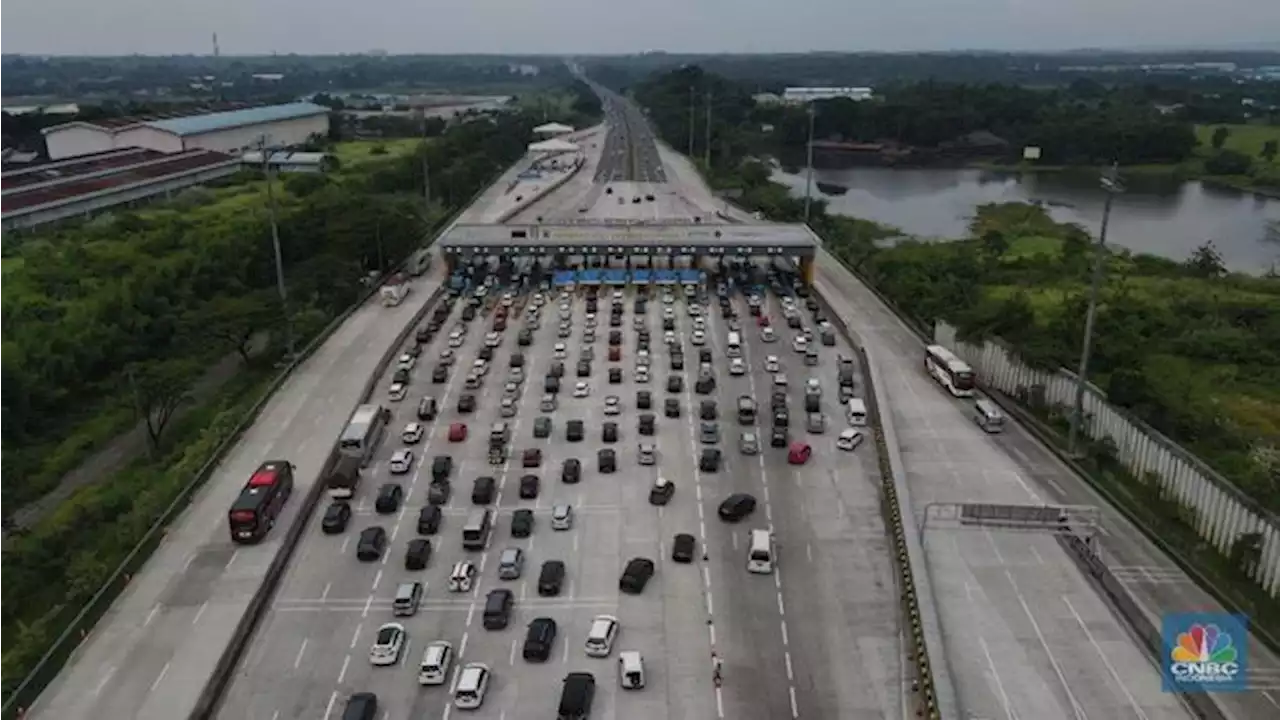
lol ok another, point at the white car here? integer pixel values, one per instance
(737, 367)
(507, 299)
(771, 364)
(699, 324)
(642, 358)
(412, 433)
(698, 337)
(387, 645)
(447, 356)
(612, 406)
(473, 682)
(780, 380)
(455, 339)
(436, 661)
(562, 517)
(642, 374)
(617, 294)
(463, 577)
(492, 339)
(813, 386)
(669, 338)
(590, 320)
(668, 298)
(799, 344)
(406, 362)
(560, 351)
(768, 335)
(749, 444)
(849, 439)
(581, 390)
(510, 389)
(480, 367)
(397, 391)
(601, 636)
(401, 462)
(648, 454)
(695, 310)
(668, 314)
(509, 407)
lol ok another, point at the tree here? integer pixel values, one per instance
(1269, 150)
(160, 387)
(1220, 135)
(1228, 162)
(994, 244)
(1206, 262)
(236, 319)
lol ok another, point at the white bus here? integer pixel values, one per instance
(735, 345)
(950, 371)
(760, 552)
(988, 416)
(364, 431)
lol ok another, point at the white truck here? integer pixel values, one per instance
(419, 262)
(395, 290)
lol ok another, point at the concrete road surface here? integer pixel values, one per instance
(1026, 634)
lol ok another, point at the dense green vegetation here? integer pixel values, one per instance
(1192, 350)
(115, 317)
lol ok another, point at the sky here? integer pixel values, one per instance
(161, 27)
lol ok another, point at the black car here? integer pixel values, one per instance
(439, 492)
(427, 408)
(372, 542)
(417, 554)
(336, 517)
(615, 320)
(675, 383)
(468, 313)
(483, 490)
(704, 355)
(486, 353)
(571, 471)
(423, 334)
(440, 374)
(636, 576)
(615, 337)
(709, 461)
(584, 368)
(705, 385)
(609, 432)
(682, 548)
(542, 427)
(574, 431)
(736, 507)
(522, 523)
(607, 460)
(529, 485)
(557, 369)
(781, 418)
(441, 467)
(646, 424)
(388, 499)
(466, 403)
(539, 639)
(668, 323)
(707, 410)
(550, 578)
(401, 376)
(644, 400)
(778, 438)
(671, 407)
(551, 384)
(525, 338)
(615, 376)
(531, 458)
(677, 361)
(429, 520)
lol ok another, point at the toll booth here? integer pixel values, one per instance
(691, 277)
(665, 277)
(614, 277)
(563, 278)
(641, 277)
(590, 277)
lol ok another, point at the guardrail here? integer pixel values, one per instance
(50, 663)
(531, 201)
(937, 697)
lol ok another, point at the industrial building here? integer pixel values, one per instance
(231, 131)
(800, 95)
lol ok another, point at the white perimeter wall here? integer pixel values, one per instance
(77, 140)
(237, 140)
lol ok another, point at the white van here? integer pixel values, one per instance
(473, 681)
(631, 670)
(436, 661)
(855, 411)
(988, 416)
(760, 552)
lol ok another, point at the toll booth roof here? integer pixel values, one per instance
(764, 238)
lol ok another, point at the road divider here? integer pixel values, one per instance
(528, 202)
(936, 697)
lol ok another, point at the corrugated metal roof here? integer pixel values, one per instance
(19, 200)
(199, 124)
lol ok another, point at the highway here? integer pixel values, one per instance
(1025, 633)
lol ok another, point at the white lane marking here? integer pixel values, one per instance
(342, 674)
(795, 709)
(447, 707)
(200, 613)
(355, 636)
(105, 679)
(991, 665)
(190, 559)
(376, 579)
(346, 543)
(735, 541)
(333, 700)
(1270, 699)
(511, 659)
(786, 637)
(782, 610)
(232, 560)
(297, 660)
(791, 675)
(327, 587)
(368, 603)
(462, 647)
(471, 613)
(151, 615)
(719, 704)
(275, 715)
(453, 682)
(1076, 709)
(1034, 551)
(808, 551)
(1137, 709)
(159, 678)
(995, 548)
(564, 651)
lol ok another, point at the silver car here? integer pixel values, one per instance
(648, 454)
(511, 564)
(749, 444)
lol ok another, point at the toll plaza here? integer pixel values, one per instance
(628, 251)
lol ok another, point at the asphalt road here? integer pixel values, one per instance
(150, 656)
(788, 641)
(1025, 633)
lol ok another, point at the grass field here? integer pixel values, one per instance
(1245, 139)
(356, 152)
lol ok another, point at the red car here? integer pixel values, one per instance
(615, 354)
(457, 432)
(798, 453)
(762, 321)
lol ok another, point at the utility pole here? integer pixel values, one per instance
(707, 150)
(1112, 185)
(275, 243)
(808, 177)
(693, 116)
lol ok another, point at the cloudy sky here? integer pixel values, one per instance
(116, 27)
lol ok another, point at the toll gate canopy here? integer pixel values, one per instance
(631, 238)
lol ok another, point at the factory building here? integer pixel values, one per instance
(231, 132)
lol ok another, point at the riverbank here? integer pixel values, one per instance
(1190, 170)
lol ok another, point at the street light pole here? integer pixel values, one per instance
(275, 243)
(693, 117)
(808, 179)
(1112, 185)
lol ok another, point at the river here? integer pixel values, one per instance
(1155, 215)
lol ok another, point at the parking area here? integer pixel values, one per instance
(816, 638)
